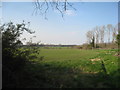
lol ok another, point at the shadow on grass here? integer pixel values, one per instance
(46, 75)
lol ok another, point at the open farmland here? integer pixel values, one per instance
(73, 68)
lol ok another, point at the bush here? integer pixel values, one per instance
(14, 58)
(77, 47)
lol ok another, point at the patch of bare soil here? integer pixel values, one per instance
(96, 59)
(117, 55)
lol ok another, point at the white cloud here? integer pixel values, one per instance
(70, 12)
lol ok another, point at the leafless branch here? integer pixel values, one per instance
(43, 7)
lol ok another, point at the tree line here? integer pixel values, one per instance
(102, 34)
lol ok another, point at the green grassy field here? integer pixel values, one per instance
(74, 68)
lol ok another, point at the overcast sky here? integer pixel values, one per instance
(56, 30)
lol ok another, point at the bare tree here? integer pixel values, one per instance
(114, 34)
(90, 35)
(97, 34)
(102, 34)
(109, 27)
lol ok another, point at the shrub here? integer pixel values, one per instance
(14, 58)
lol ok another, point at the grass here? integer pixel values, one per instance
(73, 68)
(80, 58)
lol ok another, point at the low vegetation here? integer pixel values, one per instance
(72, 68)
